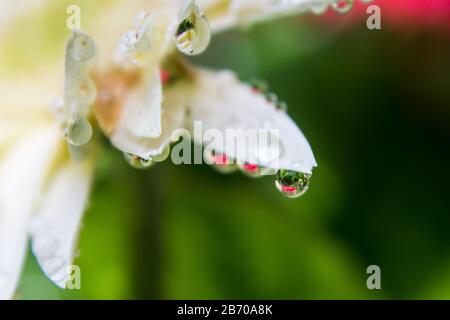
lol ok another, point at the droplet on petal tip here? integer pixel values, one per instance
(193, 32)
(137, 162)
(82, 46)
(292, 184)
(79, 132)
(162, 156)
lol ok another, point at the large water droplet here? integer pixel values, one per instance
(137, 162)
(83, 47)
(79, 132)
(292, 184)
(193, 33)
(342, 6)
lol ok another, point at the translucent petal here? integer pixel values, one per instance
(54, 229)
(141, 113)
(171, 118)
(225, 14)
(220, 101)
(22, 174)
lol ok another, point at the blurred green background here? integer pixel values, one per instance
(375, 108)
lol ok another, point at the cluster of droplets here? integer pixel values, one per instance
(193, 33)
(340, 6)
(138, 162)
(140, 45)
(79, 89)
(290, 183)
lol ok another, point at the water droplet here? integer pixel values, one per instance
(220, 162)
(137, 162)
(193, 33)
(79, 132)
(292, 184)
(318, 8)
(259, 86)
(342, 6)
(281, 105)
(135, 41)
(163, 156)
(251, 170)
(83, 47)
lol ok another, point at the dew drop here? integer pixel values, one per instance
(318, 8)
(137, 162)
(135, 41)
(79, 132)
(221, 162)
(83, 47)
(163, 156)
(281, 105)
(250, 170)
(259, 86)
(193, 33)
(292, 184)
(342, 6)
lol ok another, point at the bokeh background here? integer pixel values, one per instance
(375, 106)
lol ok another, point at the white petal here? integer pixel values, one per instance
(222, 102)
(141, 113)
(225, 14)
(54, 229)
(22, 173)
(173, 109)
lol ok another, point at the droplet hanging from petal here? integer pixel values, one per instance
(219, 161)
(251, 170)
(342, 6)
(83, 47)
(79, 132)
(79, 90)
(193, 32)
(137, 162)
(162, 156)
(292, 184)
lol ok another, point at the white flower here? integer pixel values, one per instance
(45, 182)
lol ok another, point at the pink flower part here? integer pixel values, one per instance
(289, 189)
(165, 76)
